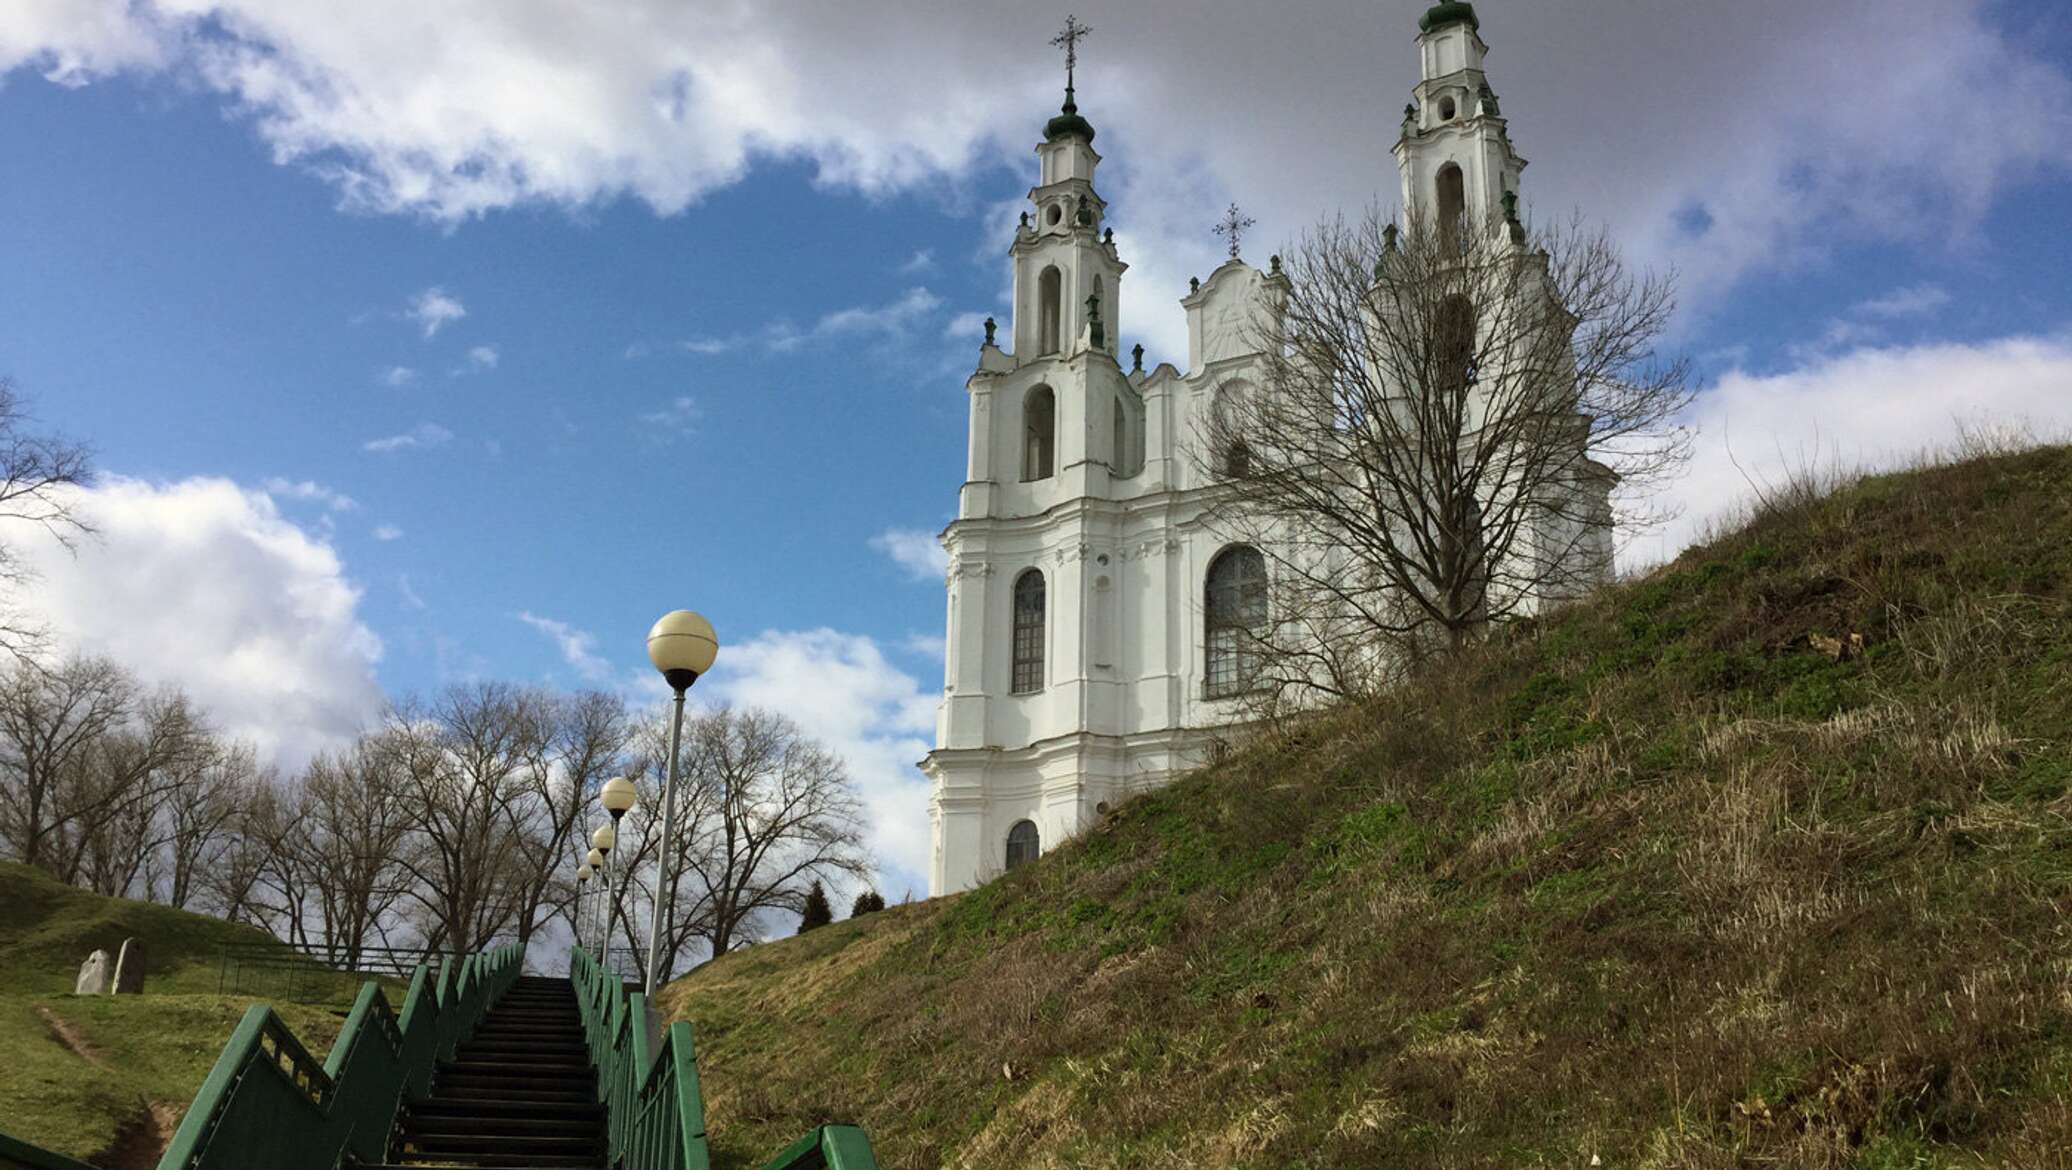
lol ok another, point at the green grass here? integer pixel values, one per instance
(139, 1059)
(1659, 881)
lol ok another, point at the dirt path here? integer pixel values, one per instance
(65, 1034)
(142, 1137)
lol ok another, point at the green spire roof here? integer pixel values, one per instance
(1068, 121)
(1449, 13)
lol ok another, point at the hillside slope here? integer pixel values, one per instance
(1683, 878)
(107, 1078)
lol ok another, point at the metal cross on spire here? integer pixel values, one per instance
(1068, 40)
(1233, 226)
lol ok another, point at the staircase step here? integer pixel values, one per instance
(479, 1106)
(419, 1126)
(502, 1143)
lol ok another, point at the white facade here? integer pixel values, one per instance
(1108, 513)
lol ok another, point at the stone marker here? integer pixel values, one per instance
(129, 969)
(93, 975)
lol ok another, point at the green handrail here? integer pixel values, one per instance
(268, 1104)
(654, 1108)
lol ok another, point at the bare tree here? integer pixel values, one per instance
(39, 475)
(201, 816)
(584, 744)
(462, 764)
(763, 811)
(356, 824)
(1441, 418)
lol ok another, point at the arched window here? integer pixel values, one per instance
(1235, 598)
(1233, 454)
(1050, 309)
(1453, 204)
(1039, 434)
(1028, 633)
(1023, 844)
(1119, 464)
(1453, 344)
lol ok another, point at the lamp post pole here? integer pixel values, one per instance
(665, 882)
(682, 646)
(582, 902)
(618, 795)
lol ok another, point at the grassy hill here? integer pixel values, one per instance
(107, 1078)
(1689, 876)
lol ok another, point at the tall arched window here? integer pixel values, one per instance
(1119, 463)
(1233, 454)
(1039, 434)
(1050, 309)
(1453, 204)
(1023, 844)
(1235, 605)
(1028, 633)
(1453, 344)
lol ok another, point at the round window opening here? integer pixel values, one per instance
(1446, 109)
(1055, 214)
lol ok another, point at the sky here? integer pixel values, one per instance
(422, 344)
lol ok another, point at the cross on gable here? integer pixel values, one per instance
(1233, 227)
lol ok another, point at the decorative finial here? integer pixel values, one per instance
(1025, 221)
(1108, 237)
(1193, 285)
(1273, 265)
(1094, 332)
(1233, 227)
(1137, 359)
(991, 325)
(1511, 206)
(1068, 40)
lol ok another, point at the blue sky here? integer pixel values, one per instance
(465, 345)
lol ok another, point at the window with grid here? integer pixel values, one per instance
(1028, 632)
(1022, 844)
(1235, 598)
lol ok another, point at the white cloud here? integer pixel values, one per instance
(398, 376)
(433, 310)
(1919, 301)
(671, 422)
(916, 551)
(460, 108)
(311, 492)
(479, 359)
(843, 691)
(1870, 408)
(205, 584)
(969, 327)
(928, 645)
(408, 592)
(892, 320)
(923, 260)
(420, 437)
(387, 532)
(578, 648)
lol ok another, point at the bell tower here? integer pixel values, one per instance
(1067, 274)
(1455, 152)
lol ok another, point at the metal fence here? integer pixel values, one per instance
(281, 972)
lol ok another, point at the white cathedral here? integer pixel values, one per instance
(1095, 615)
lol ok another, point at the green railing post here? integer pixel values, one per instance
(268, 1105)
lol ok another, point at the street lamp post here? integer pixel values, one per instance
(682, 646)
(595, 859)
(601, 843)
(617, 796)
(582, 881)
